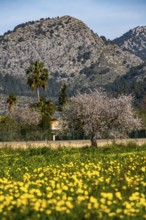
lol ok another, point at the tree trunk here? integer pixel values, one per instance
(93, 140)
(38, 94)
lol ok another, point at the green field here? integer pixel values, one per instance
(70, 184)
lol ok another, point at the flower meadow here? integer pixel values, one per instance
(67, 184)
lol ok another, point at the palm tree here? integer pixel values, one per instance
(38, 76)
(11, 101)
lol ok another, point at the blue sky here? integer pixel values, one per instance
(110, 18)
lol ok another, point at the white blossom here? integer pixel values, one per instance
(26, 115)
(100, 114)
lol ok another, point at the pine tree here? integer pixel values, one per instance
(62, 97)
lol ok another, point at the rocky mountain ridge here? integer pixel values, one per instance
(69, 49)
(134, 41)
(74, 54)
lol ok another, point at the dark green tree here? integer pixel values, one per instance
(11, 101)
(62, 97)
(37, 77)
(45, 107)
(9, 129)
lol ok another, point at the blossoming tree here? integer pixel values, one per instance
(27, 116)
(100, 114)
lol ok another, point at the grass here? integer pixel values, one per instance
(80, 183)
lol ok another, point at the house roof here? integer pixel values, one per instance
(56, 115)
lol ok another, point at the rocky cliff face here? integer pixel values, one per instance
(134, 41)
(63, 44)
(69, 49)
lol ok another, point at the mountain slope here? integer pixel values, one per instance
(69, 49)
(134, 41)
(133, 83)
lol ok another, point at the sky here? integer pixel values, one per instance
(110, 18)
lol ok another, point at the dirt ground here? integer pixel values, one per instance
(69, 143)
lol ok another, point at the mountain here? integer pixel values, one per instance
(134, 41)
(72, 52)
(133, 83)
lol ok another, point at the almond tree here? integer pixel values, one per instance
(100, 114)
(27, 116)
